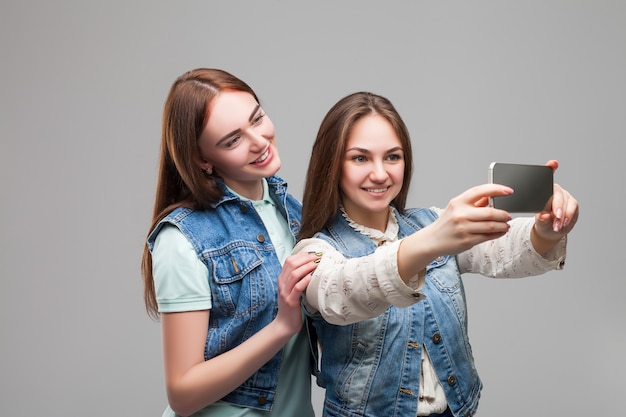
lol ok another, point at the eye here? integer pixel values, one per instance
(258, 118)
(394, 157)
(358, 159)
(232, 142)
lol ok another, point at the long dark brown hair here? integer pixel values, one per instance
(181, 182)
(322, 196)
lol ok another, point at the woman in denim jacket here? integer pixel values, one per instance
(387, 299)
(216, 266)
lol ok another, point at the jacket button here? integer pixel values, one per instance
(243, 208)
(262, 400)
(260, 238)
(451, 380)
(436, 338)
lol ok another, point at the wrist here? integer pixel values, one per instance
(542, 244)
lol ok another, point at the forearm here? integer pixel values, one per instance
(543, 246)
(349, 290)
(416, 252)
(208, 381)
(513, 255)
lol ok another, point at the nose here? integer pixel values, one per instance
(257, 140)
(378, 172)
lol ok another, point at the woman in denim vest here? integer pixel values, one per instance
(387, 299)
(216, 266)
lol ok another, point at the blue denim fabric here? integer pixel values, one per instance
(233, 243)
(372, 368)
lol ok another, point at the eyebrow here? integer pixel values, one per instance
(228, 135)
(363, 150)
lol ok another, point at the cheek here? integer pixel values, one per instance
(351, 181)
(398, 174)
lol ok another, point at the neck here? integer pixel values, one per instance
(252, 190)
(373, 220)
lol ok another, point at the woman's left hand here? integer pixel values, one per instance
(559, 216)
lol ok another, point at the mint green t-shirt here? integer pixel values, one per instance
(181, 284)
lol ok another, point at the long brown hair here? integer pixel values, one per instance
(322, 195)
(181, 182)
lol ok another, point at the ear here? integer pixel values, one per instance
(203, 164)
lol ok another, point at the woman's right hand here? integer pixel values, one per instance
(292, 283)
(467, 220)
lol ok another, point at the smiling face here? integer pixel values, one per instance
(372, 171)
(238, 143)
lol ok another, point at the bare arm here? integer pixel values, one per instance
(193, 383)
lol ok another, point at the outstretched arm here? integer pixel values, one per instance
(465, 222)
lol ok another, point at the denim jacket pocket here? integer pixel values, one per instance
(237, 287)
(354, 377)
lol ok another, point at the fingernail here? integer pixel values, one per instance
(318, 260)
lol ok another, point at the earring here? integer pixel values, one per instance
(209, 171)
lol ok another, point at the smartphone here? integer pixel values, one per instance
(533, 186)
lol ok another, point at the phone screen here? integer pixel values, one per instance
(533, 186)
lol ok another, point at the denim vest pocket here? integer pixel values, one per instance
(237, 289)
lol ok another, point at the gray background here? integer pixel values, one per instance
(82, 87)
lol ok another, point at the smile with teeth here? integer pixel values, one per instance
(262, 157)
(376, 190)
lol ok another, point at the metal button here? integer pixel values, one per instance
(243, 208)
(262, 400)
(260, 238)
(436, 338)
(451, 380)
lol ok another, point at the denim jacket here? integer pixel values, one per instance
(372, 367)
(233, 243)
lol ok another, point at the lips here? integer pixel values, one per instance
(262, 158)
(376, 190)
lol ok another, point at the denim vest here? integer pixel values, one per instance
(233, 243)
(372, 368)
